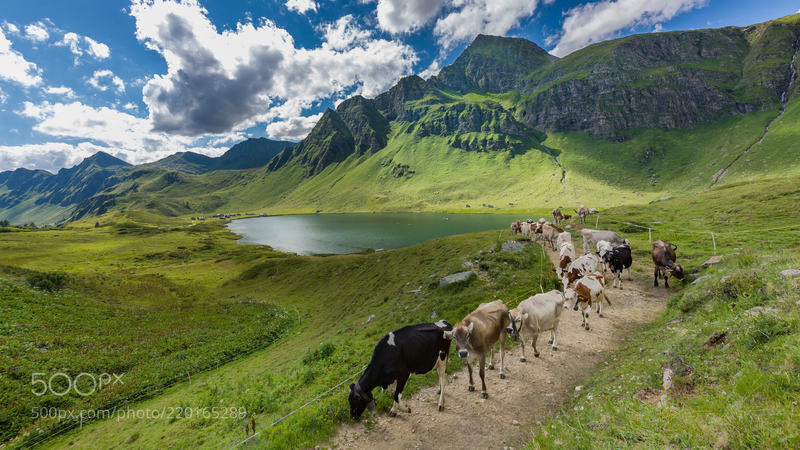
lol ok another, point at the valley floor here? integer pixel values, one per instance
(532, 391)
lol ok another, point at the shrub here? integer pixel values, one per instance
(48, 281)
(763, 328)
(323, 352)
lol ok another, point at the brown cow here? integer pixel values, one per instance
(477, 334)
(583, 212)
(664, 261)
(550, 234)
(557, 216)
(516, 227)
(587, 291)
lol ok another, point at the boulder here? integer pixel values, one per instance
(466, 265)
(790, 273)
(699, 279)
(512, 246)
(712, 260)
(456, 278)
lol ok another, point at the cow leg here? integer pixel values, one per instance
(535, 339)
(469, 369)
(502, 355)
(666, 280)
(522, 346)
(554, 333)
(441, 367)
(629, 274)
(586, 313)
(600, 306)
(491, 359)
(482, 373)
(655, 277)
(398, 394)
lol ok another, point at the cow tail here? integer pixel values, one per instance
(606, 297)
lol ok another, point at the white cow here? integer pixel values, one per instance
(592, 237)
(534, 315)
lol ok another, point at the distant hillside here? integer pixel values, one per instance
(622, 121)
(248, 154)
(42, 197)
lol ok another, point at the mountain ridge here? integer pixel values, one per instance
(508, 119)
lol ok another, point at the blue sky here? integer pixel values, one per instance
(143, 79)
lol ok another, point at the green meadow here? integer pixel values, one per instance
(199, 323)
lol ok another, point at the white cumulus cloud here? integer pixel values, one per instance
(101, 128)
(402, 16)
(14, 67)
(3, 96)
(49, 156)
(468, 18)
(97, 49)
(594, 22)
(37, 32)
(80, 45)
(223, 80)
(301, 6)
(293, 129)
(11, 28)
(60, 90)
(103, 79)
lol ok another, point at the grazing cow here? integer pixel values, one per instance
(477, 334)
(581, 267)
(664, 261)
(567, 216)
(535, 315)
(587, 291)
(516, 227)
(411, 349)
(592, 237)
(557, 216)
(582, 213)
(618, 259)
(550, 234)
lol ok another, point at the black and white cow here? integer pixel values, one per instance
(412, 349)
(618, 259)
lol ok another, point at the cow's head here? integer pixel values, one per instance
(515, 320)
(359, 401)
(460, 333)
(675, 270)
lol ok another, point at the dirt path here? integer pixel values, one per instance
(531, 391)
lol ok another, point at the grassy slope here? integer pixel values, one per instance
(136, 302)
(331, 296)
(741, 393)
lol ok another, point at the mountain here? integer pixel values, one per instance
(248, 154)
(622, 121)
(494, 64)
(94, 185)
(26, 194)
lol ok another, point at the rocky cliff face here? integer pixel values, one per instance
(662, 80)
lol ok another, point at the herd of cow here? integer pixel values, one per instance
(419, 348)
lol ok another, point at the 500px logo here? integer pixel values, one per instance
(82, 384)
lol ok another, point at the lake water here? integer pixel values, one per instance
(349, 233)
